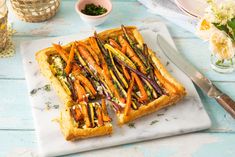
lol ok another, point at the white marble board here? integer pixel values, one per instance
(186, 116)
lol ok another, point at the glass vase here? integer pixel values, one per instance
(3, 24)
(222, 65)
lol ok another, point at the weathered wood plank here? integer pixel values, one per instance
(67, 21)
(15, 109)
(24, 143)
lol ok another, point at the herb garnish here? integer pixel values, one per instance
(131, 125)
(93, 10)
(50, 106)
(167, 63)
(153, 122)
(47, 88)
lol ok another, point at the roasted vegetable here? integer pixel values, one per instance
(119, 75)
(140, 85)
(118, 54)
(76, 113)
(99, 115)
(153, 83)
(129, 93)
(132, 55)
(70, 60)
(116, 82)
(105, 116)
(91, 114)
(85, 114)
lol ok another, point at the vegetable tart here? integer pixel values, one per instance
(114, 66)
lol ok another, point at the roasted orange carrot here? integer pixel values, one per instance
(76, 68)
(62, 52)
(85, 115)
(92, 52)
(64, 55)
(78, 114)
(129, 93)
(165, 82)
(103, 105)
(132, 55)
(86, 55)
(94, 45)
(123, 49)
(83, 80)
(70, 60)
(107, 77)
(105, 116)
(99, 116)
(81, 93)
(114, 44)
(144, 95)
(126, 73)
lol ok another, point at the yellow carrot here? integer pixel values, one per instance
(133, 56)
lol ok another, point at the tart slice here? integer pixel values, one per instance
(85, 120)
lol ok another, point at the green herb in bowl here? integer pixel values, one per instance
(93, 10)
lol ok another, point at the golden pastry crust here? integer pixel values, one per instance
(72, 132)
(42, 59)
(175, 91)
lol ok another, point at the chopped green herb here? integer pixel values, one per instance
(56, 106)
(47, 88)
(34, 91)
(153, 122)
(93, 10)
(131, 125)
(160, 114)
(50, 106)
(167, 63)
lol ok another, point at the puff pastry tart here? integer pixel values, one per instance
(114, 65)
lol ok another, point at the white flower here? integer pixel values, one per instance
(204, 29)
(221, 13)
(221, 45)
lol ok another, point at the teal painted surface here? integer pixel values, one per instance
(16, 124)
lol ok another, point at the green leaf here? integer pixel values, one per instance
(226, 29)
(231, 24)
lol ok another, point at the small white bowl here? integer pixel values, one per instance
(93, 20)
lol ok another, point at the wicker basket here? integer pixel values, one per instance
(35, 10)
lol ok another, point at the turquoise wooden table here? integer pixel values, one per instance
(17, 134)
